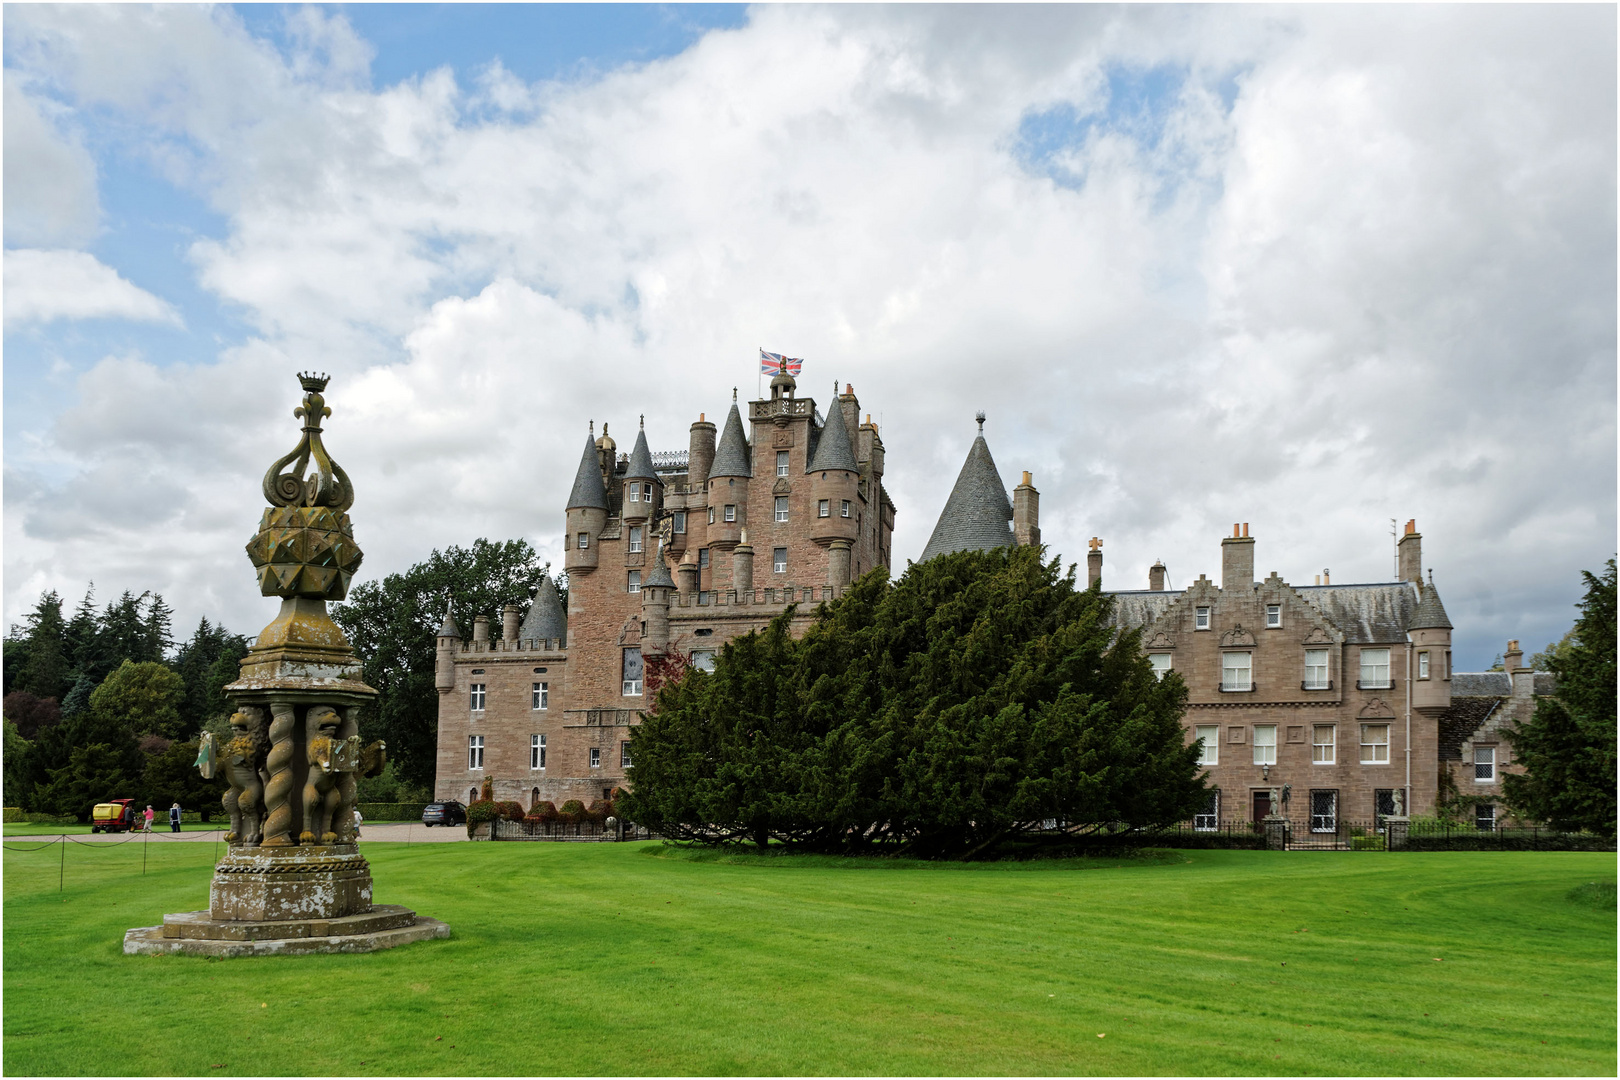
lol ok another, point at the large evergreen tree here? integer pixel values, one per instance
(44, 671)
(392, 625)
(973, 700)
(1568, 747)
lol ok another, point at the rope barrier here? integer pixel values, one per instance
(37, 847)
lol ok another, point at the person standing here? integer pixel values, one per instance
(357, 822)
(149, 816)
(174, 818)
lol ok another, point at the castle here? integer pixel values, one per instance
(1321, 702)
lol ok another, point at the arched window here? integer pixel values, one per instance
(534, 798)
(472, 795)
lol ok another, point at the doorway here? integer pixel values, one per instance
(1262, 804)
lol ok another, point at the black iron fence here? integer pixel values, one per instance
(581, 831)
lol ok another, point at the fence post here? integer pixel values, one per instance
(1276, 833)
(61, 872)
(1395, 830)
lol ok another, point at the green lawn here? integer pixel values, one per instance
(633, 958)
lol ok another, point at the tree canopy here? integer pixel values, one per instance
(974, 699)
(1567, 747)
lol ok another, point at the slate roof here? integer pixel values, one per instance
(1481, 684)
(546, 618)
(1430, 614)
(660, 574)
(589, 491)
(1458, 723)
(448, 628)
(977, 515)
(1137, 608)
(1366, 614)
(832, 448)
(731, 458)
(641, 462)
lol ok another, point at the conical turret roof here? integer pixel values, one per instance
(588, 491)
(977, 514)
(641, 464)
(660, 573)
(448, 628)
(832, 449)
(1430, 613)
(731, 458)
(546, 618)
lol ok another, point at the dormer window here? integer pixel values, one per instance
(1273, 616)
(1201, 618)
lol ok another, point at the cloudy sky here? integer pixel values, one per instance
(1310, 268)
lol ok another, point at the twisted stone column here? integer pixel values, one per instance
(278, 793)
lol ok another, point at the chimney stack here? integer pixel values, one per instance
(481, 630)
(1237, 559)
(1094, 563)
(1513, 658)
(1026, 514)
(1156, 576)
(1410, 554)
(510, 616)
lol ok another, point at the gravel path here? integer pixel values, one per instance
(402, 834)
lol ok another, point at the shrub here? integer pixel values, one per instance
(572, 812)
(480, 812)
(391, 811)
(599, 811)
(543, 812)
(14, 813)
(509, 811)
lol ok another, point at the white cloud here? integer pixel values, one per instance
(50, 177)
(1360, 266)
(43, 286)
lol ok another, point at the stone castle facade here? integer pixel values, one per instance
(1320, 702)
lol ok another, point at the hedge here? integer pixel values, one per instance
(1507, 840)
(392, 811)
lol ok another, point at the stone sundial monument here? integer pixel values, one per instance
(293, 879)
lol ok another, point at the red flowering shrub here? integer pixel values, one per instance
(572, 812)
(542, 811)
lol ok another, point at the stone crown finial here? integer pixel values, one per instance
(312, 382)
(979, 416)
(329, 484)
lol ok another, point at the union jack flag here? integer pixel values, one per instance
(770, 363)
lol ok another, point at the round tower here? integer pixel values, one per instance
(728, 483)
(643, 490)
(835, 488)
(655, 606)
(586, 512)
(444, 655)
(1430, 632)
(700, 453)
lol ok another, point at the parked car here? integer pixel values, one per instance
(444, 813)
(115, 816)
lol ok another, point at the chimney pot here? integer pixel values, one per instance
(1245, 528)
(1512, 658)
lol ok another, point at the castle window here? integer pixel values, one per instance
(584, 541)
(703, 659)
(1485, 816)
(1160, 662)
(1210, 736)
(630, 671)
(1323, 744)
(1485, 764)
(1423, 664)
(1375, 744)
(596, 757)
(1324, 811)
(1209, 818)
(475, 752)
(1265, 744)
(537, 751)
(731, 512)
(779, 560)
(635, 491)
(679, 524)
(781, 508)
(540, 696)
(843, 508)
(1273, 616)
(1374, 670)
(1316, 670)
(823, 508)
(624, 755)
(781, 463)
(1201, 618)
(476, 697)
(1236, 669)
(711, 515)
(635, 538)
(703, 557)
(634, 582)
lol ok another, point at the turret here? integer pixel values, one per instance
(444, 655)
(655, 606)
(834, 485)
(728, 483)
(546, 620)
(687, 573)
(643, 491)
(742, 564)
(976, 514)
(700, 454)
(587, 512)
(480, 633)
(1430, 632)
(511, 615)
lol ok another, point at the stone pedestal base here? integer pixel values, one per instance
(270, 884)
(196, 933)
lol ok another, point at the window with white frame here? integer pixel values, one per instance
(1210, 736)
(1209, 818)
(476, 697)
(781, 508)
(633, 581)
(1160, 662)
(1273, 615)
(1324, 744)
(635, 538)
(779, 560)
(1201, 618)
(711, 515)
(781, 463)
(1265, 744)
(1375, 669)
(731, 512)
(823, 508)
(537, 751)
(584, 540)
(1316, 669)
(1484, 815)
(843, 508)
(1324, 811)
(703, 558)
(540, 696)
(678, 525)
(596, 757)
(1375, 744)
(631, 672)
(475, 751)
(1485, 764)
(1236, 668)
(635, 491)
(624, 755)
(703, 659)
(1423, 664)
